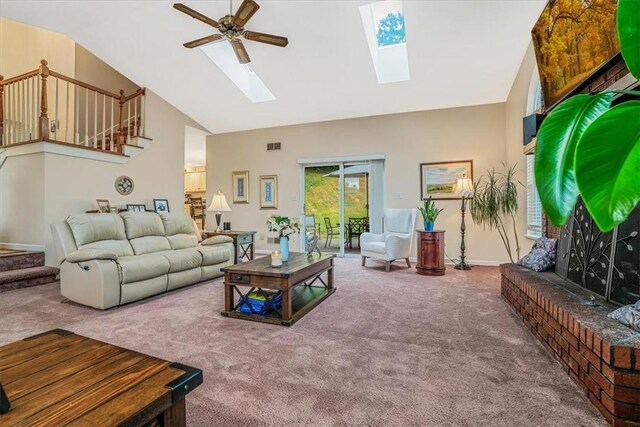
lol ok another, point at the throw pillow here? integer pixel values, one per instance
(629, 315)
(542, 256)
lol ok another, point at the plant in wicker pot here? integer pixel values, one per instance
(429, 213)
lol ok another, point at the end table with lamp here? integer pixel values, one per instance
(218, 205)
(464, 187)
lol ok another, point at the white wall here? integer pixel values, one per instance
(408, 139)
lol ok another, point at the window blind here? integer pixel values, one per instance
(534, 207)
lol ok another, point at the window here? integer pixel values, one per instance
(534, 207)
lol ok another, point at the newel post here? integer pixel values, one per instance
(1, 111)
(120, 138)
(43, 124)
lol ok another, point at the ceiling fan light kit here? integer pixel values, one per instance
(231, 28)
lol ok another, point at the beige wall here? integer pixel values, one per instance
(516, 109)
(408, 139)
(91, 69)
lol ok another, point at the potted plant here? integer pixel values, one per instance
(285, 227)
(429, 213)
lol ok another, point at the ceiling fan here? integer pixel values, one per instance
(231, 28)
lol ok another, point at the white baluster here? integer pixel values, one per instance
(66, 118)
(128, 122)
(21, 109)
(76, 124)
(86, 117)
(113, 140)
(135, 116)
(56, 121)
(95, 119)
(142, 113)
(104, 120)
(38, 101)
(7, 112)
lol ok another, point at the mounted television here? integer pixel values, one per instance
(572, 39)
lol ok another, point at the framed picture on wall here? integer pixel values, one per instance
(268, 191)
(103, 205)
(438, 180)
(161, 205)
(240, 186)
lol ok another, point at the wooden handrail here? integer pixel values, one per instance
(138, 92)
(83, 84)
(20, 77)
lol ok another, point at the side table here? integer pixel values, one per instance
(431, 253)
(244, 242)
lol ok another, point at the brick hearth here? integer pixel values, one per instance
(600, 355)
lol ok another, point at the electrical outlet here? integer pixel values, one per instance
(398, 195)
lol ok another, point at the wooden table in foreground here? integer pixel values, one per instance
(294, 280)
(59, 378)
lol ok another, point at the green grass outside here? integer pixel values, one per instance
(322, 197)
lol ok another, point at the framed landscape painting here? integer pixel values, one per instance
(438, 180)
(268, 191)
(240, 186)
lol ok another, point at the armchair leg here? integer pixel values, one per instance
(408, 262)
(388, 266)
(364, 260)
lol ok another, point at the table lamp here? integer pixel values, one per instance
(464, 188)
(218, 205)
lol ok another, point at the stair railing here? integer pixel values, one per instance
(43, 105)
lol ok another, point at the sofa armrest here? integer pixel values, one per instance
(398, 245)
(216, 240)
(83, 255)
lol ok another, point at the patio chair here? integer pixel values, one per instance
(396, 241)
(356, 227)
(310, 224)
(332, 230)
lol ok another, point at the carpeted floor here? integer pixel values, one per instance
(393, 349)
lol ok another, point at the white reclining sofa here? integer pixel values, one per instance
(108, 260)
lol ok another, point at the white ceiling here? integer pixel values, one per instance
(461, 52)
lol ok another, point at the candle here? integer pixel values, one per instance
(276, 259)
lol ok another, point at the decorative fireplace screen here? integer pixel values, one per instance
(607, 264)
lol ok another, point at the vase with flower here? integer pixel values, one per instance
(285, 227)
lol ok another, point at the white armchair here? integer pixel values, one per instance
(396, 241)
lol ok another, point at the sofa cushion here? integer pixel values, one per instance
(181, 241)
(177, 223)
(142, 224)
(378, 247)
(212, 255)
(183, 259)
(89, 228)
(120, 247)
(142, 267)
(149, 244)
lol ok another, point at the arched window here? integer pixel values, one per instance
(534, 207)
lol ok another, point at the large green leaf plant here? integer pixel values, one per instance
(587, 147)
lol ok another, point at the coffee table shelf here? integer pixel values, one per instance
(299, 281)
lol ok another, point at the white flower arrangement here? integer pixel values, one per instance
(283, 225)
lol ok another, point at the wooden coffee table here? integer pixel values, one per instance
(60, 378)
(294, 281)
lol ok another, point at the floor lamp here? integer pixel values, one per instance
(218, 205)
(464, 187)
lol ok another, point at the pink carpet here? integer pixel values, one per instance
(393, 349)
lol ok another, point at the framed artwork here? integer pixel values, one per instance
(268, 191)
(438, 180)
(103, 205)
(137, 208)
(161, 205)
(240, 186)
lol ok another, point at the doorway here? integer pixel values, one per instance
(336, 203)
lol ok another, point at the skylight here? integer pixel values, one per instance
(241, 75)
(384, 27)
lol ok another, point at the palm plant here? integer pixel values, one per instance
(495, 203)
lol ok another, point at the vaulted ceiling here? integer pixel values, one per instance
(461, 52)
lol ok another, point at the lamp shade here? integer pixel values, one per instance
(219, 203)
(464, 186)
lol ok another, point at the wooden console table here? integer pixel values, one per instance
(431, 253)
(244, 242)
(59, 378)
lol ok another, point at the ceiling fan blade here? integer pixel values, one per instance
(246, 10)
(241, 52)
(203, 40)
(195, 15)
(266, 38)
